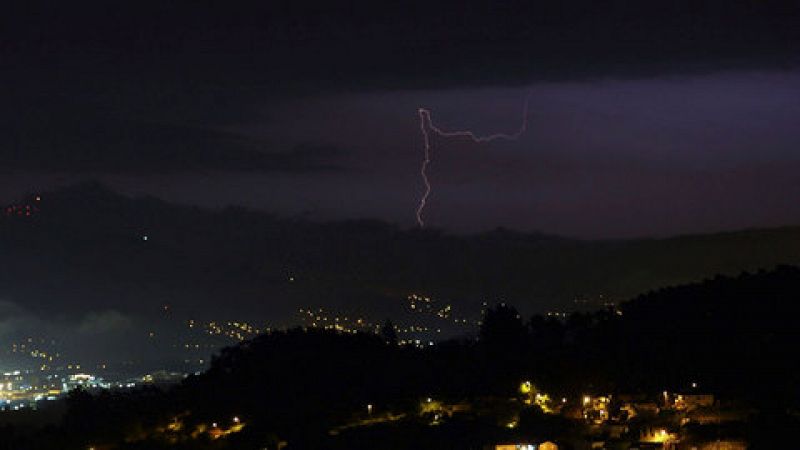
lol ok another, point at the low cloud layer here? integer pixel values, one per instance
(89, 336)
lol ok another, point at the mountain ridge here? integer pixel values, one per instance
(193, 257)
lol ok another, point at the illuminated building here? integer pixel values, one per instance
(547, 445)
(657, 435)
(596, 409)
(690, 402)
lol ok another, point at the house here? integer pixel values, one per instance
(547, 445)
(690, 402)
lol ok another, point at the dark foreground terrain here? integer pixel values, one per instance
(675, 368)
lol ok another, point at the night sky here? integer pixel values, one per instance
(656, 119)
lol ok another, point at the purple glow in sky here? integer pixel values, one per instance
(605, 158)
(609, 158)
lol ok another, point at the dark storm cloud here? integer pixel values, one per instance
(160, 88)
(148, 86)
(412, 44)
(99, 145)
(84, 118)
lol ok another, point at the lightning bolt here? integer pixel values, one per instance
(426, 126)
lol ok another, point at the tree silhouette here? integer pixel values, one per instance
(502, 326)
(388, 333)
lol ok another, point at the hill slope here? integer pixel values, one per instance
(104, 250)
